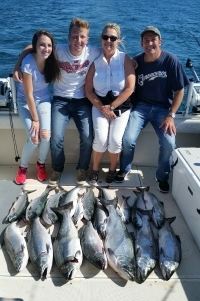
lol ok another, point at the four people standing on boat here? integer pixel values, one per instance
(39, 68)
(109, 83)
(159, 92)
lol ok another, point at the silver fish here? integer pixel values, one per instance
(37, 205)
(145, 248)
(40, 247)
(88, 201)
(18, 208)
(169, 249)
(48, 215)
(16, 247)
(92, 246)
(119, 245)
(67, 248)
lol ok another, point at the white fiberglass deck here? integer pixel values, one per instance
(91, 284)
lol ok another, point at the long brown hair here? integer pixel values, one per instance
(51, 68)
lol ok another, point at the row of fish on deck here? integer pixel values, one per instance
(130, 234)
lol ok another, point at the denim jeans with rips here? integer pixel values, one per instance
(141, 114)
(63, 109)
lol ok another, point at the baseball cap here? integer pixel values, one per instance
(151, 28)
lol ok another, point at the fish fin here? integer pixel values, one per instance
(198, 210)
(170, 219)
(139, 189)
(29, 191)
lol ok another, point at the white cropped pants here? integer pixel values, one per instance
(108, 133)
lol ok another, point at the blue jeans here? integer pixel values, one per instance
(140, 115)
(63, 109)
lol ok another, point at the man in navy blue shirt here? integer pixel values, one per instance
(158, 95)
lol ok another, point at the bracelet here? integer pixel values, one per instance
(35, 120)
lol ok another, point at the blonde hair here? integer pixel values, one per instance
(77, 22)
(114, 26)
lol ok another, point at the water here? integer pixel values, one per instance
(177, 20)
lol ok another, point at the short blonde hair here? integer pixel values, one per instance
(77, 22)
(114, 26)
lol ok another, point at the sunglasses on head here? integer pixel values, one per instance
(112, 38)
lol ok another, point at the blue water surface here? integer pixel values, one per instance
(177, 20)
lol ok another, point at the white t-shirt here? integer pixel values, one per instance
(40, 86)
(109, 76)
(73, 71)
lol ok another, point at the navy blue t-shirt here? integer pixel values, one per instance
(156, 81)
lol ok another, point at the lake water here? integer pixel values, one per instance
(177, 20)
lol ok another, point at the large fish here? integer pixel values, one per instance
(169, 249)
(40, 247)
(37, 205)
(145, 247)
(18, 208)
(92, 246)
(147, 201)
(118, 244)
(67, 248)
(48, 215)
(16, 247)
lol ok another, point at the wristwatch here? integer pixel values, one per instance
(172, 114)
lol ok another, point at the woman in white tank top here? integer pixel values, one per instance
(109, 83)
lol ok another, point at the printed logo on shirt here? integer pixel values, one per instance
(76, 67)
(151, 76)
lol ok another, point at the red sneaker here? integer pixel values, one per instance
(21, 175)
(41, 172)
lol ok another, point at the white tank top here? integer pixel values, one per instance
(109, 76)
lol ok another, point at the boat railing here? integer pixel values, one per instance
(192, 104)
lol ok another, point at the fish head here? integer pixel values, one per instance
(43, 265)
(126, 267)
(69, 270)
(100, 260)
(168, 268)
(144, 267)
(70, 267)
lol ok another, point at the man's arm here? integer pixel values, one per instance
(168, 124)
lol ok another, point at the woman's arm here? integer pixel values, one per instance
(28, 89)
(89, 89)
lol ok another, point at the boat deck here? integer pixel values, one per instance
(90, 283)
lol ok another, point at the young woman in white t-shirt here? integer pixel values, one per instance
(39, 68)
